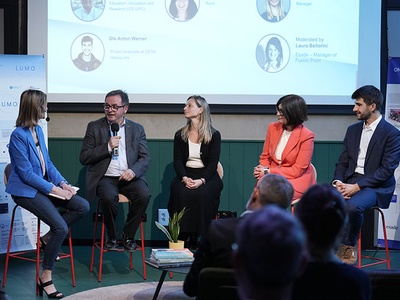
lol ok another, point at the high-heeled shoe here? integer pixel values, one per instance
(54, 295)
(43, 245)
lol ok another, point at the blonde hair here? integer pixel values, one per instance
(30, 108)
(205, 124)
(281, 13)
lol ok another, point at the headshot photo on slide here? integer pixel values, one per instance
(88, 10)
(272, 53)
(87, 52)
(182, 10)
(273, 10)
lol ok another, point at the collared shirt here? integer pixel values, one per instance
(120, 164)
(366, 136)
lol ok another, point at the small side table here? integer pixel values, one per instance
(180, 270)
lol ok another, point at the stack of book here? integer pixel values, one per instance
(170, 258)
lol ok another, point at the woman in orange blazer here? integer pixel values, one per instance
(289, 146)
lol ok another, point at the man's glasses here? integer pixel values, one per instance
(113, 107)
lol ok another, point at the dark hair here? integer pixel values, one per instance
(191, 10)
(322, 211)
(270, 245)
(87, 38)
(275, 189)
(277, 44)
(369, 94)
(30, 107)
(294, 108)
(124, 96)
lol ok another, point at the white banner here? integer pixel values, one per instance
(17, 73)
(392, 115)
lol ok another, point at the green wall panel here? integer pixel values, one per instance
(238, 159)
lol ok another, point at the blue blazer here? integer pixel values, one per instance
(382, 159)
(26, 177)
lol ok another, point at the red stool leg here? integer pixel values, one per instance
(385, 238)
(37, 255)
(143, 251)
(71, 258)
(359, 256)
(94, 238)
(9, 246)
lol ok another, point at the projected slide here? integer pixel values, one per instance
(162, 49)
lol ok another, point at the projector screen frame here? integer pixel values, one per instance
(239, 109)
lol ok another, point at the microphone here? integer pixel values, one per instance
(47, 118)
(115, 129)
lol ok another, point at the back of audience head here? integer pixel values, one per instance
(322, 211)
(269, 253)
(271, 189)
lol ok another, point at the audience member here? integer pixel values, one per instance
(289, 146)
(117, 158)
(364, 173)
(197, 186)
(216, 247)
(33, 177)
(270, 254)
(322, 211)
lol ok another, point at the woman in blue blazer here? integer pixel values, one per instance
(33, 177)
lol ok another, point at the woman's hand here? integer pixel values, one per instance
(258, 172)
(66, 191)
(191, 183)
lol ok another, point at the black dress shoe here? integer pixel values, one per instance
(111, 245)
(129, 244)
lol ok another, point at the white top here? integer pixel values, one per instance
(120, 163)
(282, 144)
(194, 160)
(366, 136)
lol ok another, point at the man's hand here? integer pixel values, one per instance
(347, 190)
(114, 141)
(127, 175)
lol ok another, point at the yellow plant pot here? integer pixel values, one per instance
(178, 245)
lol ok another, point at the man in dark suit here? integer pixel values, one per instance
(117, 159)
(215, 248)
(364, 173)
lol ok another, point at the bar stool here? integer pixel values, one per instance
(377, 260)
(100, 245)
(295, 201)
(24, 255)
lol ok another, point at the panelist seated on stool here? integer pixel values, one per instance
(115, 151)
(364, 173)
(34, 177)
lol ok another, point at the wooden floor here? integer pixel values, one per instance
(21, 276)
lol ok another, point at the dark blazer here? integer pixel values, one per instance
(382, 159)
(214, 251)
(94, 152)
(26, 177)
(209, 154)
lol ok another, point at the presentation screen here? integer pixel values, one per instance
(231, 52)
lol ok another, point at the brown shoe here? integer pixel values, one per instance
(340, 252)
(350, 255)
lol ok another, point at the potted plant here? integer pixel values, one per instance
(172, 233)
